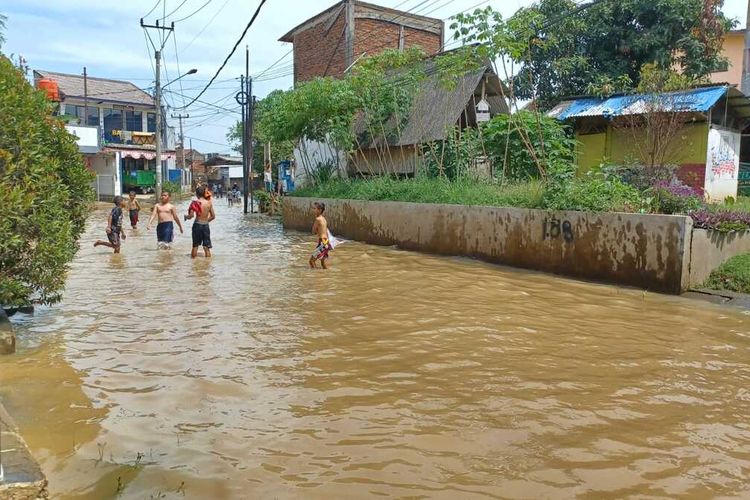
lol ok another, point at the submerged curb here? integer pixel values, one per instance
(22, 478)
(722, 297)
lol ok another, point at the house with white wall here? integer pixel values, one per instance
(115, 122)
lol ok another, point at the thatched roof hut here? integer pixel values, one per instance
(437, 109)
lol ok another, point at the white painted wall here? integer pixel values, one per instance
(309, 154)
(106, 167)
(722, 163)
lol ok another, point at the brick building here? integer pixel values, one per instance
(328, 43)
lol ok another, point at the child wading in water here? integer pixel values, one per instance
(133, 209)
(114, 227)
(167, 216)
(203, 211)
(320, 228)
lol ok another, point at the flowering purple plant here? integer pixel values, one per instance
(721, 220)
(679, 189)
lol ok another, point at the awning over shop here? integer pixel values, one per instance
(140, 154)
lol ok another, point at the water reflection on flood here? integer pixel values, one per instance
(395, 373)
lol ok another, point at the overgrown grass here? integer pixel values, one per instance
(429, 190)
(733, 275)
(741, 204)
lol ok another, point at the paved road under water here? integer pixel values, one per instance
(394, 374)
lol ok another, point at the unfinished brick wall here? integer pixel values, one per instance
(321, 49)
(430, 42)
(316, 46)
(373, 37)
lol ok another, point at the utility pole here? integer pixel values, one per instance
(182, 142)
(249, 131)
(157, 101)
(243, 101)
(192, 164)
(85, 98)
(180, 117)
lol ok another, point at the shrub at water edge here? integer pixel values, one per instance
(45, 195)
(733, 275)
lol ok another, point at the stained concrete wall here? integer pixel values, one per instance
(710, 249)
(647, 251)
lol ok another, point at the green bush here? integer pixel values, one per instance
(452, 158)
(733, 275)
(508, 137)
(673, 201)
(45, 195)
(174, 189)
(429, 190)
(593, 193)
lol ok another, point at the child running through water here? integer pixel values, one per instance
(167, 216)
(320, 228)
(114, 227)
(203, 211)
(134, 209)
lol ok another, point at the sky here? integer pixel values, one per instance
(106, 38)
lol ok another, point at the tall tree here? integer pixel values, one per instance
(569, 46)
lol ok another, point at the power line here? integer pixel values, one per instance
(153, 8)
(207, 24)
(179, 71)
(231, 53)
(178, 8)
(206, 103)
(208, 142)
(274, 64)
(195, 12)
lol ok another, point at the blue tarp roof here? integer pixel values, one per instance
(693, 100)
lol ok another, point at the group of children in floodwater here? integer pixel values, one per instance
(202, 210)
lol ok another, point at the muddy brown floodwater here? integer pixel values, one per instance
(393, 374)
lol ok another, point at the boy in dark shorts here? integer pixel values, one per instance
(320, 228)
(134, 209)
(166, 214)
(203, 211)
(114, 227)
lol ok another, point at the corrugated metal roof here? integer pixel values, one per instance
(693, 100)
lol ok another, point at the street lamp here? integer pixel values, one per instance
(157, 141)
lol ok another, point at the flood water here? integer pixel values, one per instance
(393, 374)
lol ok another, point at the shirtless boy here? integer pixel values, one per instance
(320, 228)
(203, 211)
(167, 215)
(134, 209)
(114, 227)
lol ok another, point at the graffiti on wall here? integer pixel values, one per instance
(723, 155)
(555, 228)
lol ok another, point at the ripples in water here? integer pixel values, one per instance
(393, 374)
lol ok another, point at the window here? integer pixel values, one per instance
(151, 119)
(113, 121)
(134, 121)
(92, 120)
(74, 111)
(722, 67)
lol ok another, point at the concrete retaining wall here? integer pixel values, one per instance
(647, 251)
(710, 249)
(656, 252)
